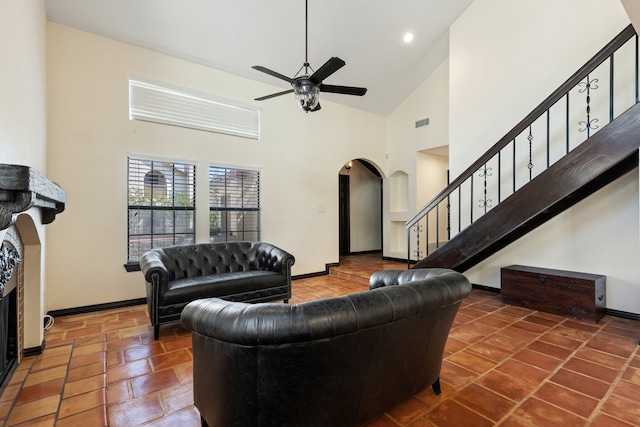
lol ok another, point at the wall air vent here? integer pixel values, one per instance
(423, 122)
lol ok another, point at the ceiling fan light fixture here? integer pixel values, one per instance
(306, 86)
(307, 95)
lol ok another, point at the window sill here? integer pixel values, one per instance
(132, 266)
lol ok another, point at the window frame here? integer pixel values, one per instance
(177, 195)
(248, 194)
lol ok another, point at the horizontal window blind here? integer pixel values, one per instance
(234, 204)
(172, 105)
(161, 205)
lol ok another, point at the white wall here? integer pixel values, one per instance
(431, 177)
(505, 58)
(90, 136)
(23, 133)
(23, 114)
(404, 142)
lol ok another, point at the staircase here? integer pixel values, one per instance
(606, 154)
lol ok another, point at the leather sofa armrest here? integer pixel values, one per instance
(153, 267)
(272, 258)
(383, 278)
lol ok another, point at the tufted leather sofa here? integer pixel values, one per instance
(331, 362)
(236, 271)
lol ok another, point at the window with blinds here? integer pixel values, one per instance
(161, 205)
(173, 105)
(234, 204)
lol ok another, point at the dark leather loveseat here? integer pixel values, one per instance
(331, 362)
(236, 271)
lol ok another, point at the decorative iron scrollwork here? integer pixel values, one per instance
(530, 139)
(9, 258)
(417, 253)
(484, 172)
(589, 124)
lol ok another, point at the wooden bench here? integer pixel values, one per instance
(566, 293)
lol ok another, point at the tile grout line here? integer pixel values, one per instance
(542, 383)
(621, 371)
(596, 410)
(17, 395)
(64, 381)
(480, 375)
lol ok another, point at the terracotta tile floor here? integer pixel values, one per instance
(504, 365)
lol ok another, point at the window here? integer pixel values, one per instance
(161, 207)
(234, 204)
(161, 102)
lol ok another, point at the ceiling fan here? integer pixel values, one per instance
(307, 87)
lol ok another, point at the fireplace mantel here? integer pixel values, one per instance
(21, 188)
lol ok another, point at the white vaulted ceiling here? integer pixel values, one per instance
(233, 35)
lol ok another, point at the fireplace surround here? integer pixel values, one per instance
(11, 287)
(28, 201)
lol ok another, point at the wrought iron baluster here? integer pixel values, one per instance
(484, 172)
(448, 208)
(513, 167)
(471, 204)
(417, 253)
(499, 175)
(408, 248)
(589, 85)
(530, 165)
(448, 218)
(567, 127)
(637, 70)
(437, 225)
(611, 88)
(548, 139)
(426, 234)
(459, 208)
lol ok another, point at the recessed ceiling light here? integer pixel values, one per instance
(408, 37)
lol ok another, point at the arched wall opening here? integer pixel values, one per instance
(360, 207)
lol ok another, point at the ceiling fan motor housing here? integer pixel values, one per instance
(307, 88)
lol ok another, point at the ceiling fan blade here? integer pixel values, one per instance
(345, 90)
(328, 68)
(273, 73)
(273, 95)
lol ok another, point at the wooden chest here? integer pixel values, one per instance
(566, 293)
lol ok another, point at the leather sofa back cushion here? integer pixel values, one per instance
(206, 259)
(268, 324)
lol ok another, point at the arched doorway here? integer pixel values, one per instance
(360, 208)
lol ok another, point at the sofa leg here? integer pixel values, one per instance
(436, 387)
(286, 300)
(156, 331)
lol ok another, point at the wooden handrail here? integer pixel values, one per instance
(576, 78)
